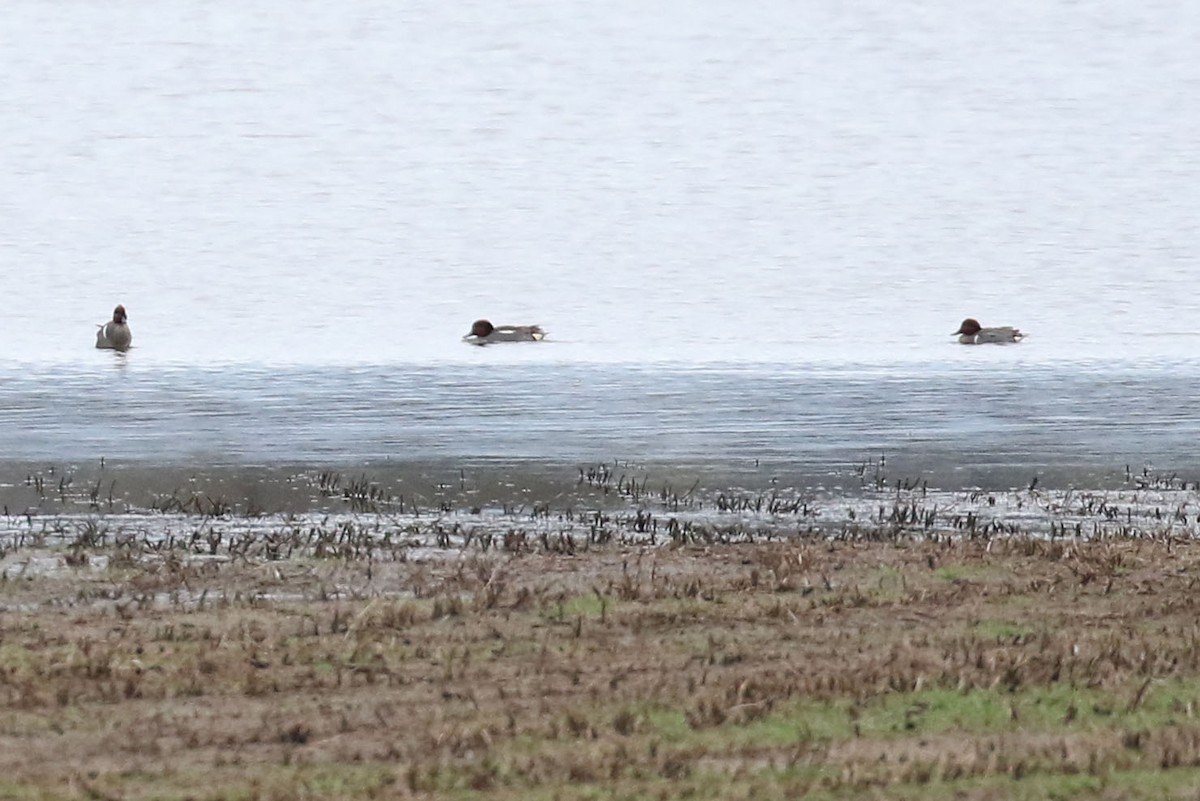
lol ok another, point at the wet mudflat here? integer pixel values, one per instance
(597, 634)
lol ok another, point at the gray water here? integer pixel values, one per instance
(749, 228)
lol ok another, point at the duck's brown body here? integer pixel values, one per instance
(115, 334)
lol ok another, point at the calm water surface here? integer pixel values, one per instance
(749, 227)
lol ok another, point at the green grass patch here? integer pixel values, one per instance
(587, 606)
(940, 711)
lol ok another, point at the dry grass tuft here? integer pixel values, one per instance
(662, 644)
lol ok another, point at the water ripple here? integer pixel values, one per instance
(968, 418)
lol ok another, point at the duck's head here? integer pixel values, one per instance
(481, 328)
(970, 327)
(119, 315)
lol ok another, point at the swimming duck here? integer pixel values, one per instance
(115, 334)
(484, 333)
(972, 333)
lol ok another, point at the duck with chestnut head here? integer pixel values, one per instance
(115, 334)
(484, 333)
(972, 333)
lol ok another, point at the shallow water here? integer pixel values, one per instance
(967, 423)
(749, 228)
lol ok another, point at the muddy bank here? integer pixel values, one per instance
(974, 669)
(105, 486)
(606, 630)
(438, 514)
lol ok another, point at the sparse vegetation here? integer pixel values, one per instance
(762, 646)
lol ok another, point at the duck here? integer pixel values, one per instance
(484, 333)
(972, 333)
(115, 334)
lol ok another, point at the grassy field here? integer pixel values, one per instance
(1005, 668)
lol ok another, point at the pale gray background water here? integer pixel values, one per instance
(303, 206)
